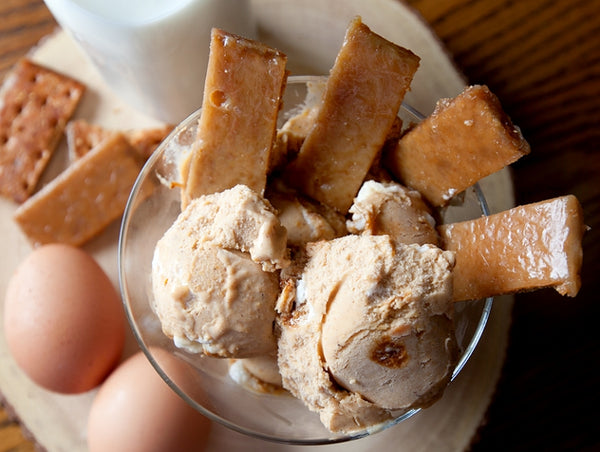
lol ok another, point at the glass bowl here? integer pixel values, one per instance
(153, 205)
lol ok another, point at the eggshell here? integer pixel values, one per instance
(136, 411)
(63, 319)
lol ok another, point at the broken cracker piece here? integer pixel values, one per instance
(242, 97)
(465, 139)
(145, 141)
(35, 105)
(363, 95)
(83, 136)
(524, 248)
(85, 198)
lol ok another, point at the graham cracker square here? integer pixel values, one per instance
(35, 105)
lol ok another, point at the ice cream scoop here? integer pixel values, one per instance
(305, 220)
(390, 208)
(368, 329)
(213, 274)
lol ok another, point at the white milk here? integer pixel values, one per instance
(152, 53)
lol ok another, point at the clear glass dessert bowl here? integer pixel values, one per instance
(153, 206)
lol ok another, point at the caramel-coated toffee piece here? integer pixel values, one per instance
(524, 248)
(465, 139)
(35, 105)
(364, 92)
(82, 200)
(242, 97)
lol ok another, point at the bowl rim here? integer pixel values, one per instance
(466, 354)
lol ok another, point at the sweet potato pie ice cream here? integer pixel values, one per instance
(366, 328)
(326, 275)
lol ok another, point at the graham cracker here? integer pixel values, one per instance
(145, 141)
(85, 198)
(35, 105)
(83, 136)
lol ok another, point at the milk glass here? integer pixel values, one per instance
(152, 53)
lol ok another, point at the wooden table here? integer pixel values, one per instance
(542, 58)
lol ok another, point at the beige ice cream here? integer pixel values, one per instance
(367, 329)
(259, 374)
(390, 208)
(213, 274)
(305, 220)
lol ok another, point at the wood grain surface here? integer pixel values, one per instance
(542, 58)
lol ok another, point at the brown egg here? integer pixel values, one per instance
(63, 319)
(136, 411)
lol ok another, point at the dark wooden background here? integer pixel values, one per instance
(542, 59)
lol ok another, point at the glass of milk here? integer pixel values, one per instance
(152, 53)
